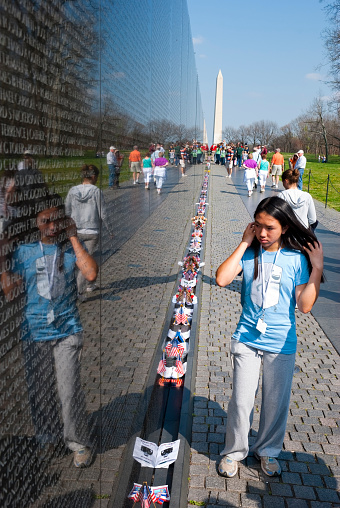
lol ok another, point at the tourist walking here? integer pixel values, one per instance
(263, 172)
(148, 166)
(239, 152)
(111, 163)
(85, 203)
(134, 164)
(282, 264)
(229, 162)
(301, 166)
(160, 172)
(120, 159)
(250, 167)
(277, 167)
(292, 161)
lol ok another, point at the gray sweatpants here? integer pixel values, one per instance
(54, 388)
(91, 243)
(278, 370)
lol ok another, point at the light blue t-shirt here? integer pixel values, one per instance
(51, 312)
(264, 165)
(290, 270)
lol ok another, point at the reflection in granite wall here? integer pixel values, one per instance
(76, 77)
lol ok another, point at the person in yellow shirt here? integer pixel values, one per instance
(277, 167)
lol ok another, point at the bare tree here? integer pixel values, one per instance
(266, 130)
(230, 134)
(316, 123)
(243, 133)
(332, 44)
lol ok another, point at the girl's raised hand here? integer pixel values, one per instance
(249, 234)
(315, 253)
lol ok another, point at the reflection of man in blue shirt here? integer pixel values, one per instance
(112, 163)
(300, 164)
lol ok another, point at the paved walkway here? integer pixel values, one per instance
(123, 325)
(310, 458)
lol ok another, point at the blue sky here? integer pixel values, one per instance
(270, 53)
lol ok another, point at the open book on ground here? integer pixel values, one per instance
(148, 454)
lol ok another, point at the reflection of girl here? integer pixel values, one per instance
(147, 166)
(282, 265)
(52, 331)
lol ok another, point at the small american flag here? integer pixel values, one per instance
(146, 497)
(179, 367)
(162, 365)
(134, 494)
(161, 493)
(173, 348)
(180, 317)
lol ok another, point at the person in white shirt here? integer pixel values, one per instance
(301, 166)
(112, 163)
(301, 202)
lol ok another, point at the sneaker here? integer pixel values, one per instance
(82, 457)
(134, 183)
(270, 466)
(228, 467)
(276, 186)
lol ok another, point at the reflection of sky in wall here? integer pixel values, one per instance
(148, 62)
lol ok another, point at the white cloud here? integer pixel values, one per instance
(314, 76)
(197, 40)
(203, 56)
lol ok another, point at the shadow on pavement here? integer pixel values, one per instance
(305, 476)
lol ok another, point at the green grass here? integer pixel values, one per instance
(318, 178)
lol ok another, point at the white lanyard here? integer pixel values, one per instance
(50, 279)
(265, 286)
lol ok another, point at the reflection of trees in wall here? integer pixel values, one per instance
(51, 64)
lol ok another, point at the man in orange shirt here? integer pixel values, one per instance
(134, 164)
(277, 167)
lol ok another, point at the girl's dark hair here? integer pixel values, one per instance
(292, 175)
(297, 235)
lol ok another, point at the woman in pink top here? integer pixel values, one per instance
(250, 172)
(160, 171)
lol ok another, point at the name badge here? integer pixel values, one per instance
(261, 326)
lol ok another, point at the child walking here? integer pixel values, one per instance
(148, 166)
(263, 172)
(282, 264)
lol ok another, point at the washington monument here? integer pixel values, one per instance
(217, 137)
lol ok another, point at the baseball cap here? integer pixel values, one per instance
(112, 148)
